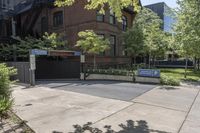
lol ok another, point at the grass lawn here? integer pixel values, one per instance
(178, 73)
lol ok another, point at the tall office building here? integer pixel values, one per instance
(165, 13)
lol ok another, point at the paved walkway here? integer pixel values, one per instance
(160, 110)
(192, 121)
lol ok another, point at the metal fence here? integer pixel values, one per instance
(173, 64)
(23, 74)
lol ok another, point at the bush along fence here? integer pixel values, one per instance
(6, 100)
(109, 74)
(125, 75)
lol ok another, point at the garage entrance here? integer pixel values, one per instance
(58, 65)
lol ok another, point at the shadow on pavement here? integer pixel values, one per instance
(130, 127)
(168, 88)
(58, 84)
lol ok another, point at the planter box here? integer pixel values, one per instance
(108, 77)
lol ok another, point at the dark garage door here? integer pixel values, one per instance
(58, 69)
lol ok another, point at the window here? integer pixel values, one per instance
(113, 45)
(44, 24)
(124, 23)
(58, 19)
(100, 17)
(112, 17)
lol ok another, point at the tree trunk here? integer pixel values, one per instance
(198, 64)
(145, 61)
(186, 66)
(14, 53)
(195, 63)
(149, 60)
(94, 62)
(134, 58)
(154, 61)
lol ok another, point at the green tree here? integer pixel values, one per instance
(47, 42)
(6, 51)
(155, 43)
(187, 28)
(91, 43)
(134, 41)
(146, 35)
(115, 5)
(172, 47)
(153, 35)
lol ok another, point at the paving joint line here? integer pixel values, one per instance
(160, 106)
(145, 92)
(113, 113)
(198, 93)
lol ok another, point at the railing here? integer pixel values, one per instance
(22, 71)
(172, 63)
(111, 72)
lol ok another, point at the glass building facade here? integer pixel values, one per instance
(165, 13)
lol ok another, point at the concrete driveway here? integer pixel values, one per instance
(54, 107)
(108, 89)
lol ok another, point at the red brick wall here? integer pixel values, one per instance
(77, 19)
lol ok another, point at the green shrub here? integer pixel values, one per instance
(5, 105)
(111, 72)
(5, 88)
(167, 80)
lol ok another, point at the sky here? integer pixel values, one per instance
(170, 3)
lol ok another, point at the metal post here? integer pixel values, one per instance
(32, 77)
(32, 69)
(84, 71)
(82, 60)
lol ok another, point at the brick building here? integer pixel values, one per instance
(6, 14)
(35, 17)
(6, 8)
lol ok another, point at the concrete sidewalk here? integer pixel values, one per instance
(48, 110)
(161, 110)
(192, 121)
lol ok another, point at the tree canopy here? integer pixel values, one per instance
(154, 37)
(22, 47)
(134, 40)
(91, 43)
(187, 27)
(115, 5)
(146, 35)
(47, 42)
